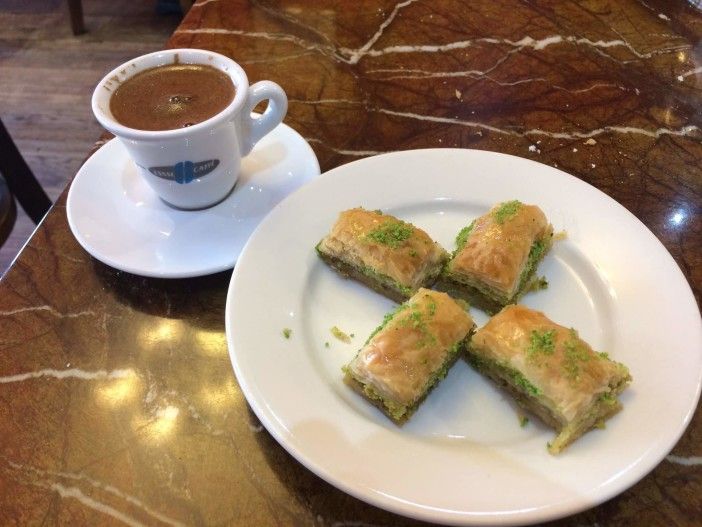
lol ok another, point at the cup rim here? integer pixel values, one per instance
(234, 72)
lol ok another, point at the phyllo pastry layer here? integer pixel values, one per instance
(550, 371)
(387, 254)
(410, 352)
(496, 255)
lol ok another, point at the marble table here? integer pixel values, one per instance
(118, 401)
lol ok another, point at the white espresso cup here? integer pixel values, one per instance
(197, 166)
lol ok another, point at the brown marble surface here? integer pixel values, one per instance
(118, 404)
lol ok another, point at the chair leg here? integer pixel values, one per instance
(22, 183)
(8, 212)
(75, 9)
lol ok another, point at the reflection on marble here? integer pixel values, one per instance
(117, 400)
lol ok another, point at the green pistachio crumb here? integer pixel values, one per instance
(391, 233)
(326, 344)
(506, 210)
(287, 332)
(431, 306)
(538, 283)
(608, 399)
(541, 343)
(340, 335)
(387, 318)
(523, 421)
(521, 381)
(416, 320)
(462, 236)
(575, 354)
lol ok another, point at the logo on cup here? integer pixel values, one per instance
(185, 171)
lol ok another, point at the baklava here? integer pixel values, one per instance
(389, 255)
(550, 371)
(496, 256)
(410, 352)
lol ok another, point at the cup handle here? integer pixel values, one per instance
(253, 129)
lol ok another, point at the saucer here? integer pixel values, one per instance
(119, 220)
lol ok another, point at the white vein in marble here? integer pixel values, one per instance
(255, 428)
(589, 134)
(483, 74)
(694, 71)
(77, 494)
(72, 373)
(47, 479)
(343, 151)
(685, 130)
(355, 55)
(690, 461)
(281, 37)
(48, 309)
(277, 59)
(116, 492)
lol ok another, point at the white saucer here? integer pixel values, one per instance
(119, 220)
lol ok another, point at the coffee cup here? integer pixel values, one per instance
(195, 166)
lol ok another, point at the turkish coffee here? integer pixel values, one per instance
(171, 96)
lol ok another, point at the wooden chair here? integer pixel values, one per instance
(8, 211)
(17, 182)
(75, 10)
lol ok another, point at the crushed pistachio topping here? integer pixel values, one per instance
(541, 343)
(462, 236)
(608, 398)
(287, 332)
(326, 344)
(386, 319)
(538, 284)
(386, 280)
(340, 335)
(413, 253)
(574, 355)
(538, 248)
(431, 306)
(523, 420)
(506, 210)
(518, 379)
(417, 320)
(603, 355)
(391, 233)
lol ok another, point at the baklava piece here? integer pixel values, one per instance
(550, 371)
(389, 255)
(497, 255)
(410, 352)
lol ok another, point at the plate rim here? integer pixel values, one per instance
(551, 512)
(105, 150)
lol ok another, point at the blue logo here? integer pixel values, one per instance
(185, 171)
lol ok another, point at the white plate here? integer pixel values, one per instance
(119, 220)
(463, 458)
